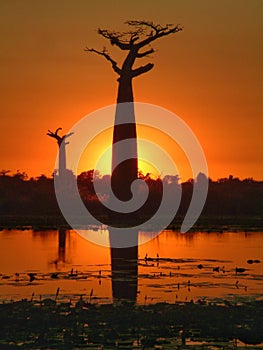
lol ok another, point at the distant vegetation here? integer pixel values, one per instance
(227, 197)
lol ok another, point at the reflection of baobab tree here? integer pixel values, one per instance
(61, 252)
(62, 245)
(62, 237)
(124, 269)
(62, 149)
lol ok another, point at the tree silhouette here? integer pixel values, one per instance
(62, 149)
(134, 41)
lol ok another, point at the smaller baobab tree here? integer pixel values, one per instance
(136, 43)
(62, 149)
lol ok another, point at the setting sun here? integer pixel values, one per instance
(97, 154)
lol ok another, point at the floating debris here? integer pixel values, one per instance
(240, 269)
(32, 276)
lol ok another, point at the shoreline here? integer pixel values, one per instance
(204, 224)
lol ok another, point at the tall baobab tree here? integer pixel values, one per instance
(62, 149)
(136, 43)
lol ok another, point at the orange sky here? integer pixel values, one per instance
(209, 75)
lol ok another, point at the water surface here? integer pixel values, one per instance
(180, 267)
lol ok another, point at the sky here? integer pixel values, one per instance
(210, 75)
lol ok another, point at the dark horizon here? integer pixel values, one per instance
(24, 176)
(240, 200)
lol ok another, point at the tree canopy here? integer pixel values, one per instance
(141, 35)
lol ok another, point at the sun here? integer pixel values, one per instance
(157, 162)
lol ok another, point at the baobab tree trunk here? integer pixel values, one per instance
(125, 173)
(125, 93)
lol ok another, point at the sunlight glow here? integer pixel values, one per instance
(97, 154)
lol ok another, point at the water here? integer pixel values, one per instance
(193, 266)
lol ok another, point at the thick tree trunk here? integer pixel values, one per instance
(124, 174)
(125, 93)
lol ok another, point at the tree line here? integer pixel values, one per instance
(231, 196)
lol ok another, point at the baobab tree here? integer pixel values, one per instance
(136, 43)
(62, 149)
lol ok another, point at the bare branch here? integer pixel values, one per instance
(134, 37)
(145, 53)
(114, 38)
(59, 139)
(54, 134)
(149, 24)
(139, 24)
(129, 40)
(68, 135)
(142, 34)
(105, 54)
(159, 34)
(157, 31)
(142, 69)
(124, 40)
